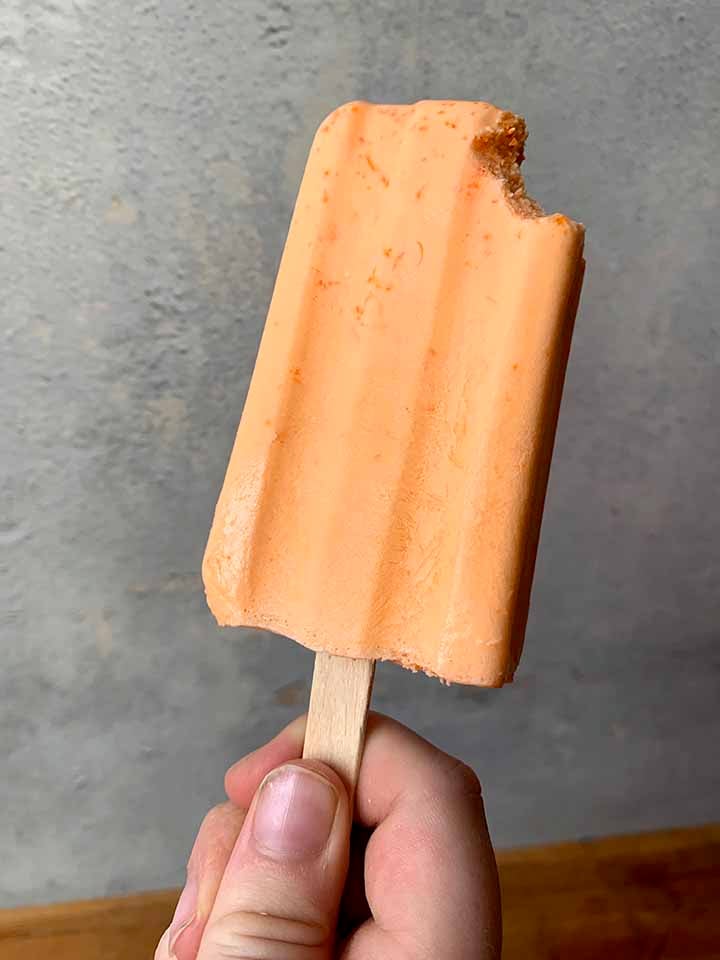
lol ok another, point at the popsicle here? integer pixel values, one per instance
(385, 490)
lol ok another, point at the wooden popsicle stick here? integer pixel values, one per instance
(339, 702)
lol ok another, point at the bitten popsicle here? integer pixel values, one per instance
(384, 494)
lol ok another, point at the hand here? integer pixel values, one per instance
(270, 883)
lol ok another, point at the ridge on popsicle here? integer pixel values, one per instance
(384, 494)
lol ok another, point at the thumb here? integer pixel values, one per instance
(280, 893)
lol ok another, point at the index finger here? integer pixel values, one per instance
(430, 874)
(398, 763)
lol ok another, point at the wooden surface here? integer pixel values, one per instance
(648, 897)
(124, 928)
(339, 701)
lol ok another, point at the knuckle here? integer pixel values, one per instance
(463, 781)
(257, 935)
(216, 838)
(217, 815)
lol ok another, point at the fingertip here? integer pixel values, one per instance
(244, 777)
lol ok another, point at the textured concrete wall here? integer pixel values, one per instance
(149, 155)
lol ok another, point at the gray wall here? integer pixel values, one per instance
(149, 155)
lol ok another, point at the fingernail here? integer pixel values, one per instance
(185, 914)
(294, 814)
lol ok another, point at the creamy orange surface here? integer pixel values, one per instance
(384, 494)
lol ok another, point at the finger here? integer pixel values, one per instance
(216, 839)
(396, 761)
(163, 949)
(210, 854)
(430, 874)
(245, 776)
(280, 894)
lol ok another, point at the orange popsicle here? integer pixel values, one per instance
(384, 494)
